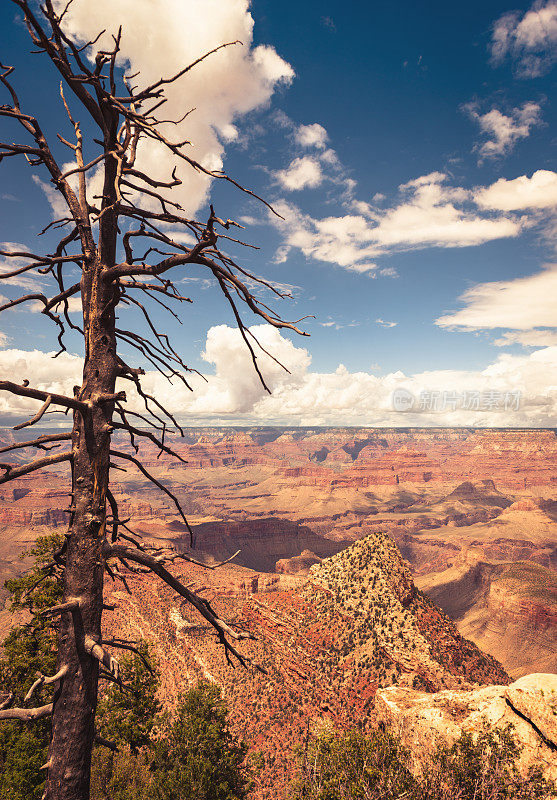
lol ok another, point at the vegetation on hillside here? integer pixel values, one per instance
(28, 649)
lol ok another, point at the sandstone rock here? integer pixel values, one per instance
(535, 697)
(424, 721)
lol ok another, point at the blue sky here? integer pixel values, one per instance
(441, 283)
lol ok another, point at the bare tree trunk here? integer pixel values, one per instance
(124, 116)
(74, 709)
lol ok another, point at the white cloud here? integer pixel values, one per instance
(302, 173)
(385, 324)
(502, 131)
(26, 280)
(162, 36)
(530, 41)
(434, 214)
(233, 393)
(74, 306)
(44, 372)
(55, 198)
(337, 240)
(532, 338)
(537, 192)
(358, 398)
(430, 213)
(313, 135)
(521, 304)
(387, 272)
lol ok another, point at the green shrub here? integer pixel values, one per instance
(126, 715)
(353, 766)
(198, 758)
(123, 775)
(28, 650)
(484, 767)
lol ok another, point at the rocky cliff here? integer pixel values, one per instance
(425, 721)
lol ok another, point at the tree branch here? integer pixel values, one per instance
(38, 416)
(203, 607)
(37, 394)
(12, 472)
(97, 651)
(27, 714)
(157, 483)
(55, 437)
(44, 680)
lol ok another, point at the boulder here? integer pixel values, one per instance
(424, 721)
(535, 698)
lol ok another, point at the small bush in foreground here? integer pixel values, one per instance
(354, 766)
(194, 757)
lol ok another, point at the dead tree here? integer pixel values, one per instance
(123, 245)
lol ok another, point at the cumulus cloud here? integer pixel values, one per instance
(502, 131)
(536, 192)
(529, 40)
(385, 323)
(430, 213)
(301, 173)
(522, 390)
(342, 397)
(313, 135)
(311, 170)
(162, 36)
(521, 304)
(57, 375)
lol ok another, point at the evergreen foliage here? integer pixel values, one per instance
(194, 757)
(28, 649)
(198, 758)
(126, 714)
(353, 767)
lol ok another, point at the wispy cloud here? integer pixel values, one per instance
(522, 304)
(429, 213)
(502, 131)
(529, 40)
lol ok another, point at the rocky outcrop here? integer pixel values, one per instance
(297, 565)
(424, 721)
(325, 643)
(534, 698)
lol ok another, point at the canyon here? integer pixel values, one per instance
(422, 558)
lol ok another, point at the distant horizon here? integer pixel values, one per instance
(270, 427)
